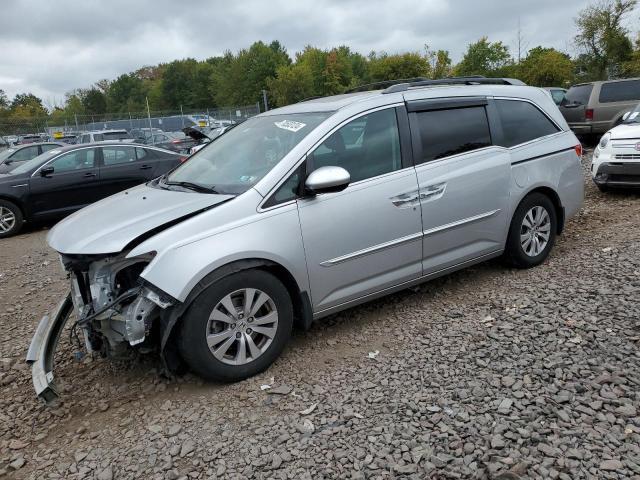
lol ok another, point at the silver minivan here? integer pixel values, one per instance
(307, 210)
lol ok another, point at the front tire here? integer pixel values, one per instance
(10, 219)
(532, 232)
(237, 327)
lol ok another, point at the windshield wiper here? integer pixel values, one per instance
(192, 186)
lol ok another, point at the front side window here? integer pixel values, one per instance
(237, 160)
(620, 91)
(118, 155)
(366, 147)
(76, 160)
(449, 132)
(97, 137)
(522, 122)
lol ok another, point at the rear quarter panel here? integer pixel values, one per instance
(550, 162)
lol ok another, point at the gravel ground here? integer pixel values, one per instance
(487, 373)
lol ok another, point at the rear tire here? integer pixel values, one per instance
(532, 232)
(11, 219)
(603, 188)
(237, 327)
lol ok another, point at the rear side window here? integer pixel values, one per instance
(620, 91)
(522, 122)
(579, 94)
(117, 155)
(448, 132)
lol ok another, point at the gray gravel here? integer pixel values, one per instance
(487, 373)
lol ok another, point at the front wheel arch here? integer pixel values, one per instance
(302, 309)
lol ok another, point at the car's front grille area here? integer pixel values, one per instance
(628, 156)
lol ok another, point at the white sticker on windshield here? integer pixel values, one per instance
(290, 125)
(633, 115)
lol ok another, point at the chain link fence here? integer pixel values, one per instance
(166, 120)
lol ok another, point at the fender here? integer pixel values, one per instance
(303, 311)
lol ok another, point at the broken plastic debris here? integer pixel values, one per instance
(267, 386)
(374, 354)
(309, 410)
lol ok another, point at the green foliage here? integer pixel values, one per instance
(603, 40)
(545, 67)
(484, 58)
(27, 105)
(126, 94)
(406, 65)
(239, 79)
(94, 101)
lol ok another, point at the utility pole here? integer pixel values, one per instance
(264, 99)
(76, 118)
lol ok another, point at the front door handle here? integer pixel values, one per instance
(90, 174)
(432, 191)
(145, 167)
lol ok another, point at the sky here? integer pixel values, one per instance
(51, 47)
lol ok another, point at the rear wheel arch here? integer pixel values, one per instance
(555, 199)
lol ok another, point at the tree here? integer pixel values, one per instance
(27, 105)
(440, 63)
(406, 65)
(126, 94)
(603, 39)
(546, 67)
(4, 100)
(484, 58)
(94, 101)
(291, 84)
(239, 79)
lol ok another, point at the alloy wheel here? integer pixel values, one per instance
(7, 220)
(535, 231)
(242, 326)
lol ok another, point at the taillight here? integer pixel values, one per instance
(176, 141)
(588, 114)
(578, 149)
(183, 159)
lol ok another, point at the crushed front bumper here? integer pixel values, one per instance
(618, 174)
(41, 351)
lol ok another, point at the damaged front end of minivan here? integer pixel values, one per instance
(113, 310)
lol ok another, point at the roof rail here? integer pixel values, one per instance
(401, 86)
(384, 84)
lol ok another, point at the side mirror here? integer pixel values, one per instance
(327, 179)
(625, 116)
(46, 171)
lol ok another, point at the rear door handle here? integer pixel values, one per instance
(145, 167)
(89, 174)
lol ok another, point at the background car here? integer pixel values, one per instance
(106, 135)
(31, 138)
(174, 141)
(67, 178)
(17, 155)
(594, 108)
(616, 158)
(141, 135)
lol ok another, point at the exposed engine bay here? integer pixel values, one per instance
(116, 314)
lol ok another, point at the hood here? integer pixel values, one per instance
(626, 130)
(109, 225)
(194, 133)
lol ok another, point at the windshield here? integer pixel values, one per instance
(634, 116)
(6, 154)
(237, 160)
(35, 162)
(579, 94)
